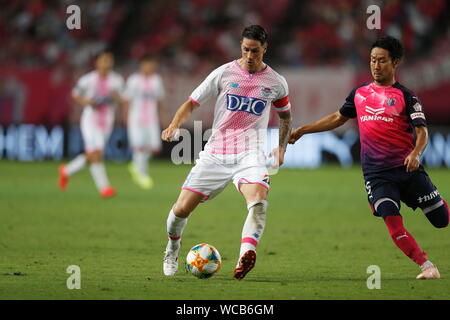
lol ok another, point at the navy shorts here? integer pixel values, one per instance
(415, 189)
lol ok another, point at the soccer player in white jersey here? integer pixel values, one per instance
(245, 90)
(98, 92)
(144, 93)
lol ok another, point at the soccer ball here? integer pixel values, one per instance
(203, 261)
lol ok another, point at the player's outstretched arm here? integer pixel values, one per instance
(412, 161)
(328, 122)
(182, 114)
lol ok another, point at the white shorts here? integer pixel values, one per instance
(144, 137)
(212, 172)
(96, 127)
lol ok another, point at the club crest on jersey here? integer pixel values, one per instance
(391, 102)
(247, 104)
(266, 91)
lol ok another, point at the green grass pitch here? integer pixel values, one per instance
(319, 239)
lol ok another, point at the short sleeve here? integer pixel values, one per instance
(414, 110)
(349, 109)
(281, 102)
(209, 88)
(81, 86)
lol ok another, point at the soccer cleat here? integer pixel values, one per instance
(145, 182)
(108, 192)
(63, 177)
(170, 262)
(429, 271)
(246, 263)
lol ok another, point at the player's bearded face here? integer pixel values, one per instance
(381, 65)
(252, 54)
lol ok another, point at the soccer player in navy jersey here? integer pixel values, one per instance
(388, 117)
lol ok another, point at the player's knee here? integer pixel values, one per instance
(437, 214)
(386, 207)
(94, 156)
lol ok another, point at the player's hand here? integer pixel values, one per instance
(278, 155)
(171, 133)
(295, 135)
(412, 162)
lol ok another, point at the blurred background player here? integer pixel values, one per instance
(388, 116)
(143, 109)
(98, 91)
(245, 90)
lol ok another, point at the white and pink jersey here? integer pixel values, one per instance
(144, 92)
(93, 86)
(242, 108)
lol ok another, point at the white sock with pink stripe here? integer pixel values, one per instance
(175, 227)
(254, 226)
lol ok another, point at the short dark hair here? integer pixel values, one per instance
(104, 52)
(255, 32)
(147, 58)
(392, 45)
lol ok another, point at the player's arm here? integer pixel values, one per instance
(285, 127)
(82, 100)
(329, 122)
(182, 114)
(412, 161)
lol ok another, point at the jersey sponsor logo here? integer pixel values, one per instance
(369, 190)
(428, 197)
(266, 91)
(417, 115)
(247, 104)
(417, 107)
(235, 85)
(375, 118)
(375, 111)
(391, 102)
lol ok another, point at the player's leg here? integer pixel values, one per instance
(139, 163)
(154, 146)
(95, 138)
(176, 222)
(98, 173)
(438, 214)
(204, 181)
(423, 193)
(253, 183)
(66, 170)
(384, 196)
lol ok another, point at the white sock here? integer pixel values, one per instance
(427, 263)
(254, 226)
(78, 163)
(175, 227)
(140, 161)
(98, 173)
